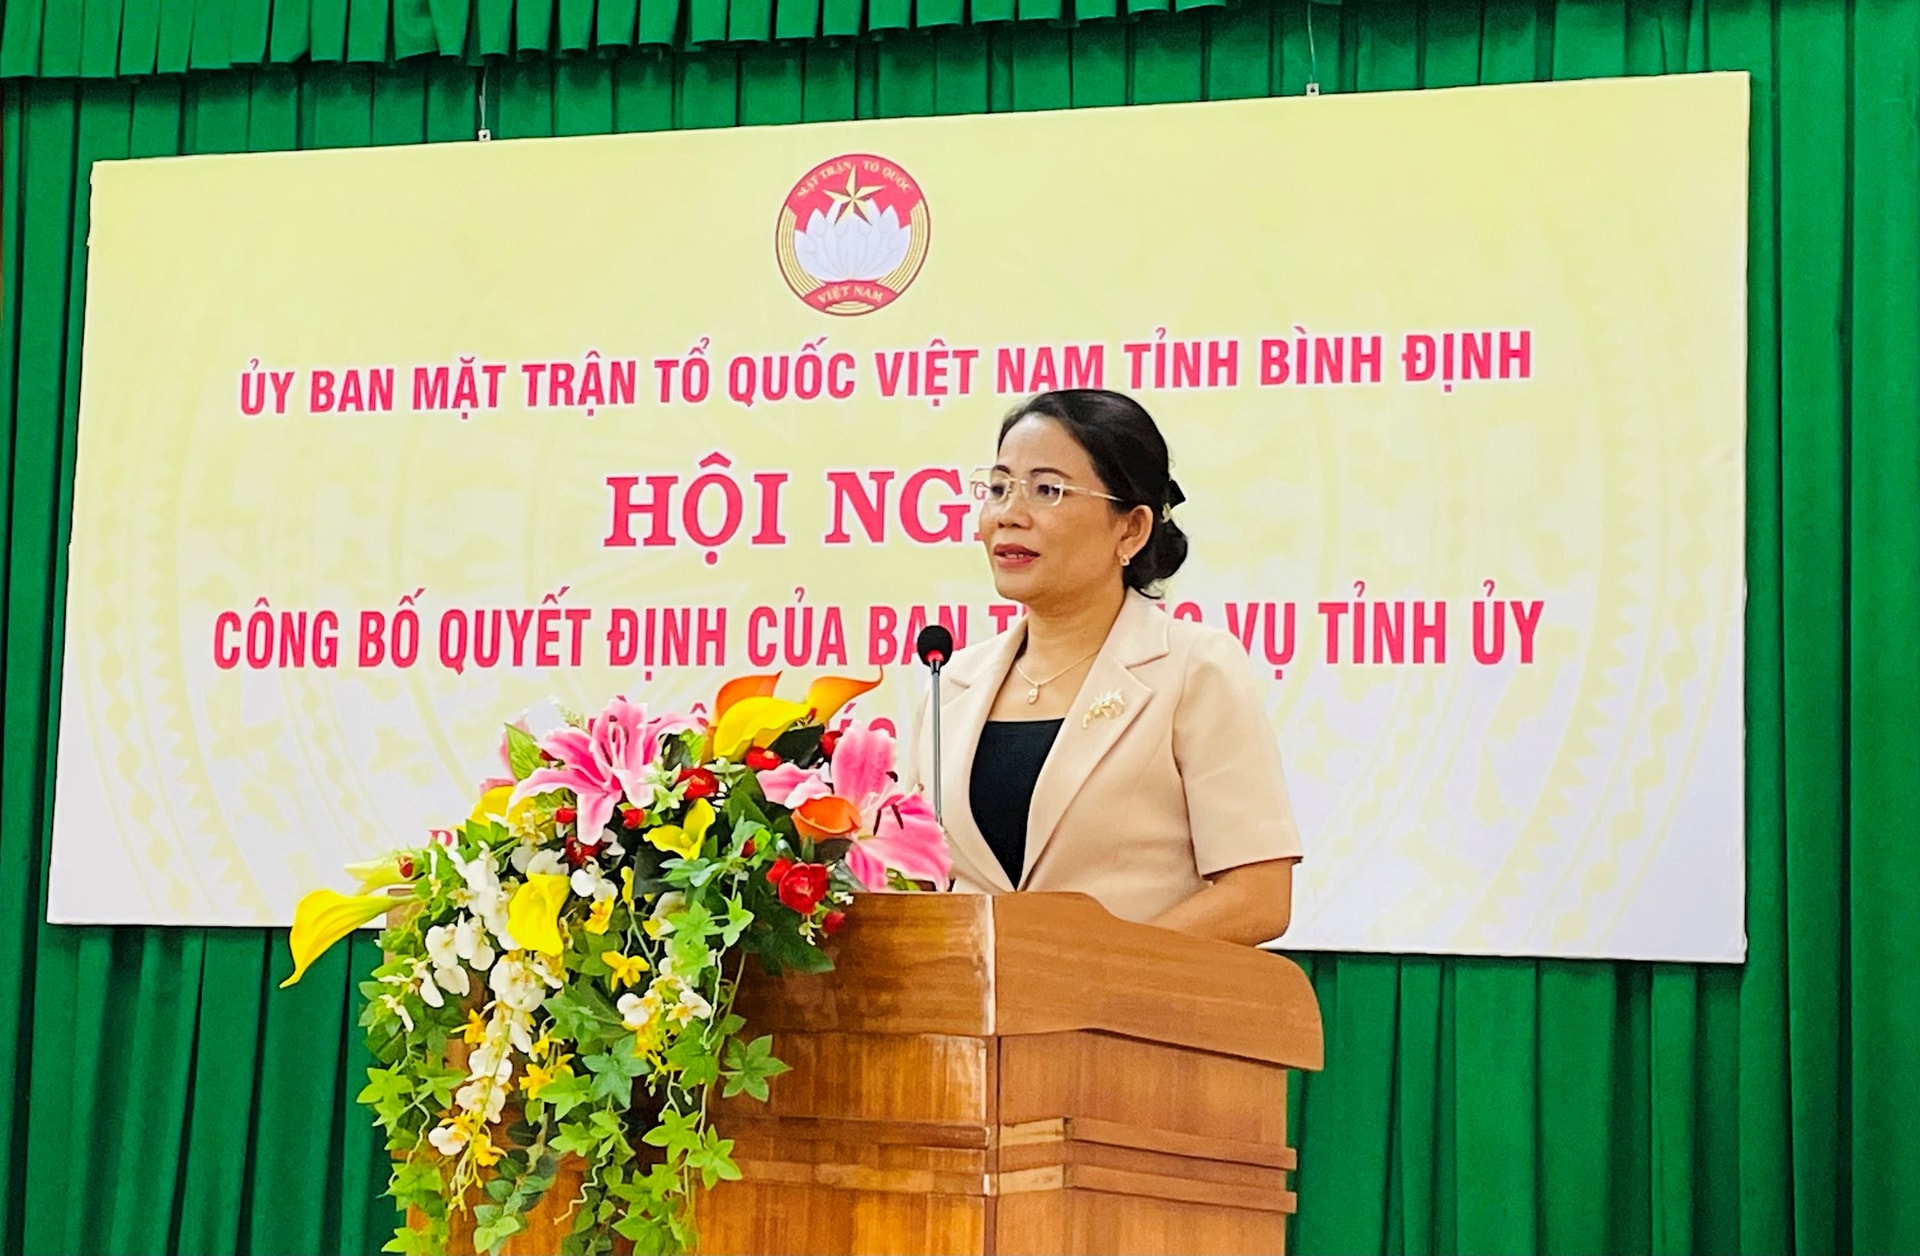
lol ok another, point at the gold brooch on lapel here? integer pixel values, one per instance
(1105, 707)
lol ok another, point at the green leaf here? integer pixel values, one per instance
(564, 1094)
(576, 1138)
(389, 1092)
(738, 918)
(490, 1237)
(613, 1074)
(441, 1082)
(523, 754)
(618, 1063)
(414, 1178)
(581, 1013)
(749, 1065)
(700, 1072)
(410, 1242)
(677, 1134)
(694, 922)
(800, 744)
(775, 938)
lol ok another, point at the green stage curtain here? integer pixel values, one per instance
(165, 1097)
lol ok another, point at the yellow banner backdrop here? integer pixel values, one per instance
(381, 449)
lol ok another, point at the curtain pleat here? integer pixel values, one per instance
(165, 1097)
(125, 38)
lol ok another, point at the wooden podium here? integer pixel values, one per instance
(1012, 1074)
(1020, 1073)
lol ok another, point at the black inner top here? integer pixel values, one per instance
(1005, 769)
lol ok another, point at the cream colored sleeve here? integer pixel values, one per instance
(1229, 761)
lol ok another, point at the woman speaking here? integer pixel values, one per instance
(1100, 745)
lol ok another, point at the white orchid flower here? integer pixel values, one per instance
(440, 947)
(393, 1004)
(658, 926)
(453, 980)
(470, 1096)
(477, 873)
(547, 863)
(488, 1059)
(516, 985)
(485, 897)
(520, 1031)
(588, 882)
(448, 1139)
(424, 984)
(690, 1006)
(635, 1011)
(470, 944)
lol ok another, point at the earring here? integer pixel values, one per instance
(1125, 559)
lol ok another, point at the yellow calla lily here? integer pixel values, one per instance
(674, 840)
(533, 917)
(700, 818)
(743, 687)
(754, 721)
(686, 838)
(378, 874)
(323, 918)
(493, 808)
(827, 694)
(747, 714)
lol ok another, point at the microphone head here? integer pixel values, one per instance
(934, 645)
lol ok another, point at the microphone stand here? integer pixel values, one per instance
(939, 813)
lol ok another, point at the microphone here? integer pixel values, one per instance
(934, 645)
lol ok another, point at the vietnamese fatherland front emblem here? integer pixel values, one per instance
(852, 234)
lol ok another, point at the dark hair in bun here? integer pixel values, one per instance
(1130, 457)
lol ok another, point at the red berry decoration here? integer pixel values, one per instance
(406, 866)
(746, 852)
(778, 869)
(831, 922)
(803, 887)
(563, 815)
(632, 818)
(700, 783)
(828, 740)
(762, 760)
(577, 855)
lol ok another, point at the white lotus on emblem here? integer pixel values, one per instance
(852, 246)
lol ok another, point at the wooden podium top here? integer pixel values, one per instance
(1001, 965)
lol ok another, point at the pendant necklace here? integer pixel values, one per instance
(1034, 686)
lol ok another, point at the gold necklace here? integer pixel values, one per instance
(1034, 686)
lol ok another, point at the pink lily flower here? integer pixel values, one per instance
(889, 829)
(602, 763)
(789, 786)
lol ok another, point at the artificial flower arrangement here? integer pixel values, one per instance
(584, 931)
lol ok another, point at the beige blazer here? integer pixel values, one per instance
(1166, 771)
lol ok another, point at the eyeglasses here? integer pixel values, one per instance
(998, 489)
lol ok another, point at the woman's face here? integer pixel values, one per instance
(1060, 554)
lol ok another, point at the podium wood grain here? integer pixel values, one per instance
(1012, 1074)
